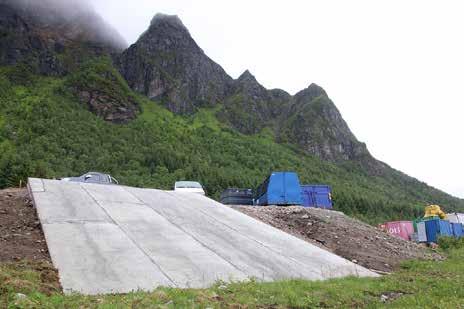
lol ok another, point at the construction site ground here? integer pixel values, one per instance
(22, 242)
(352, 239)
(21, 237)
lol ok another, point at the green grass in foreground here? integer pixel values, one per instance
(422, 284)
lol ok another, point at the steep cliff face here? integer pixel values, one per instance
(315, 124)
(167, 64)
(51, 36)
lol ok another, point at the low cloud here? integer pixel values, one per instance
(76, 18)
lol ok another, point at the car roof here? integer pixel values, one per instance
(187, 184)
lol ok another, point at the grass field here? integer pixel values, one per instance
(417, 284)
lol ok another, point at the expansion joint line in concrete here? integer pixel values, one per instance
(191, 235)
(129, 237)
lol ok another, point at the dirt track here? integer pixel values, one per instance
(352, 239)
(21, 236)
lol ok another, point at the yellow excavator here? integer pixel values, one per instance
(434, 211)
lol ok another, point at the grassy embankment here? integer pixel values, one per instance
(418, 284)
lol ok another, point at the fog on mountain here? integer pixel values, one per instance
(76, 19)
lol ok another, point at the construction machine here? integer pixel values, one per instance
(434, 211)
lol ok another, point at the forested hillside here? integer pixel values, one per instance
(46, 130)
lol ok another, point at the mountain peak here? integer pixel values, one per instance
(310, 93)
(166, 64)
(171, 20)
(247, 76)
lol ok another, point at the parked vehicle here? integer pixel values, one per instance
(189, 187)
(93, 177)
(319, 196)
(280, 188)
(235, 196)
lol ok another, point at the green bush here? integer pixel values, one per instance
(447, 243)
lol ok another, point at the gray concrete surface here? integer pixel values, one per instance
(117, 239)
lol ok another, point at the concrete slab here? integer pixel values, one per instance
(187, 262)
(36, 185)
(107, 239)
(95, 258)
(65, 201)
(290, 247)
(249, 256)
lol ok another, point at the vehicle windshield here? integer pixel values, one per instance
(188, 184)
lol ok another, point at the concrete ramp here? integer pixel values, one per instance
(116, 239)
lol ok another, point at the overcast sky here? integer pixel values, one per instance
(393, 68)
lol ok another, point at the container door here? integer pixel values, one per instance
(432, 229)
(323, 198)
(283, 195)
(422, 235)
(292, 189)
(305, 197)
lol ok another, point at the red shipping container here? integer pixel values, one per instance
(402, 229)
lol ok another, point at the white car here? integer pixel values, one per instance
(189, 186)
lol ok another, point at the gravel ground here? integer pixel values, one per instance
(352, 239)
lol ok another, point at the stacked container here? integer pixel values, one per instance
(316, 196)
(455, 217)
(457, 230)
(402, 229)
(437, 227)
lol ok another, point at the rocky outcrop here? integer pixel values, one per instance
(166, 64)
(107, 106)
(100, 88)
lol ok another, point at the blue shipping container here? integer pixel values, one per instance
(280, 188)
(437, 227)
(458, 231)
(316, 196)
(445, 228)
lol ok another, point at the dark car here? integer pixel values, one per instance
(93, 177)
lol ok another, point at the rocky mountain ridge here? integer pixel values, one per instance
(167, 65)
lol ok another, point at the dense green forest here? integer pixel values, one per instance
(46, 132)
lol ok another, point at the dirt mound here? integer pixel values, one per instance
(347, 237)
(21, 236)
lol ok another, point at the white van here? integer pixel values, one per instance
(189, 186)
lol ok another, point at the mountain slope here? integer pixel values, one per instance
(166, 64)
(46, 132)
(77, 113)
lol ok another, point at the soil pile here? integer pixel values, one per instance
(347, 237)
